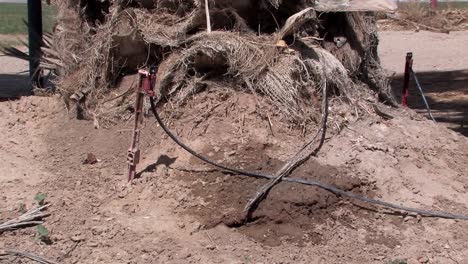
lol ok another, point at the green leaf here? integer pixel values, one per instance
(42, 231)
(40, 197)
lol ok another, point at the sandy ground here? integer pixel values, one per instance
(181, 211)
(441, 66)
(431, 51)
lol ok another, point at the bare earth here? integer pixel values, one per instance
(182, 211)
(431, 51)
(441, 66)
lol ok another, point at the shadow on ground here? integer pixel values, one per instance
(14, 85)
(446, 93)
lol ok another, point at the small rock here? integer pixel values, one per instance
(77, 238)
(231, 153)
(92, 244)
(446, 246)
(379, 257)
(196, 226)
(210, 247)
(423, 260)
(90, 159)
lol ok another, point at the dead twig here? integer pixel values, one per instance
(31, 217)
(208, 20)
(419, 25)
(122, 94)
(23, 254)
(312, 37)
(270, 125)
(67, 254)
(295, 21)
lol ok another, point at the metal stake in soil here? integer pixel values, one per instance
(408, 69)
(145, 86)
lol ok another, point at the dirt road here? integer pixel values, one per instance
(441, 66)
(431, 51)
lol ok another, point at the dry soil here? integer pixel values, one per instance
(180, 210)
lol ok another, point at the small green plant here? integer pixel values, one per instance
(42, 233)
(40, 198)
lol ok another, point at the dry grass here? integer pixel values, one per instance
(289, 79)
(421, 13)
(235, 54)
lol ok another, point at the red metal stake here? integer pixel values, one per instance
(433, 4)
(145, 86)
(408, 69)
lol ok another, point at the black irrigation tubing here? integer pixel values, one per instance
(329, 188)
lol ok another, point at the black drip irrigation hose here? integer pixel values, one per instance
(326, 187)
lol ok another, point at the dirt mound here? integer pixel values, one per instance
(164, 216)
(290, 213)
(237, 130)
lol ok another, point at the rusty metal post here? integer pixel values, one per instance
(133, 153)
(407, 76)
(144, 87)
